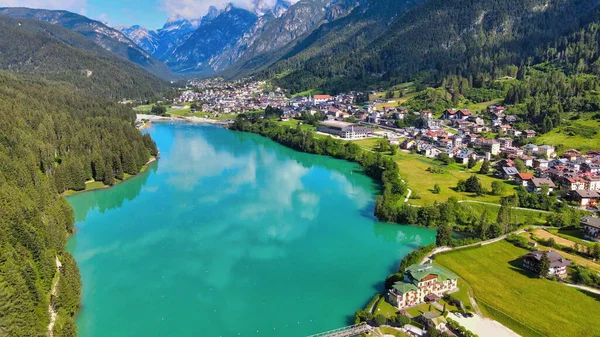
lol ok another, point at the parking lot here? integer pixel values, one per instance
(484, 326)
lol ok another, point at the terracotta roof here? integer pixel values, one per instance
(322, 97)
(525, 176)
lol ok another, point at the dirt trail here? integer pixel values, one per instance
(51, 309)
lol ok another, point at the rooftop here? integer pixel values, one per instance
(556, 260)
(419, 272)
(591, 221)
(337, 124)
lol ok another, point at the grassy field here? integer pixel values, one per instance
(147, 108)
(416, 311)
(463, 295)
(568, 137)
(294, 122)
(367, 144)
(481, 106)
(528, 305)
(572, 234)
(384, 308)
(413, 169)
(540, 233)
(528, 217)
(386, 330)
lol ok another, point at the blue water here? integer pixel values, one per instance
(231, 234)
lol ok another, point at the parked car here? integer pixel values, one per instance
(468, 314)
(458, 314)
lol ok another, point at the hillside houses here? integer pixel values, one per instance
(460, 134)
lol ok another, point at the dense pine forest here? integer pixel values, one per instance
(52, 138)
(59, 54)
(478, 40)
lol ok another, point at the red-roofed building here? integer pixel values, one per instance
(321, 99)
(524, 178)
(464, 114)
(449, 114)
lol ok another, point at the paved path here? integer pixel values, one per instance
(592, 290)
(498, 205)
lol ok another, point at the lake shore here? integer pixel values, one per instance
(143, 170)
(149, 119)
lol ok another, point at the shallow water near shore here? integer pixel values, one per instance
(231, 234)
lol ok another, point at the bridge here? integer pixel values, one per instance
(348, 331)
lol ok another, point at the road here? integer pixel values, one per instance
(591, 290)
(438, 250)
(498, 205)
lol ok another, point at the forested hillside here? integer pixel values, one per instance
(60, 54)
(478, 39)
(105, 37)
(52, 137)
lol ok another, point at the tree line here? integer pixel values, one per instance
(52, 138)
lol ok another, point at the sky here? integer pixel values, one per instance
(151, 14)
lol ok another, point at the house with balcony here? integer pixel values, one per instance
(422, 282)
(558, 264)
(590, 226)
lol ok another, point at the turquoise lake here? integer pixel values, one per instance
(232, 234)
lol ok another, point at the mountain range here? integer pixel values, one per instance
(338, 45)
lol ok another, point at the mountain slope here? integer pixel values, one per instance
(268, 39)
(146, 39)
(110, 39)
(439, 37)
(210, 39)
(52, 137)
(60, 54)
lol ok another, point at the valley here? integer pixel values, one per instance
(461, 137)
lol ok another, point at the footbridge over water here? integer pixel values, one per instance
(348, 331)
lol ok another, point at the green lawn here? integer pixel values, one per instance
(368, 144)
(384, 308)
(294, 122)
(421, 308)
(463, 294)
(386, 330)
(413, 169)
(481, 106)
(528, 305)
(567, 137)
(526, 217)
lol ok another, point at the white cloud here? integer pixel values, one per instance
(77, 6)
(195, 9)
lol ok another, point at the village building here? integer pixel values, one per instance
(572, 183)
(449, 114)
(558, 264)
(421, 281)
(536, 184)
(320, 99)
(585, 198)
(524, 178)
(345, 130)
(591, 228)
(509, 173)
(592, 183)
(433, 320)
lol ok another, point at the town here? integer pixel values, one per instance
(457, 135)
